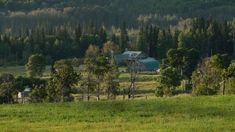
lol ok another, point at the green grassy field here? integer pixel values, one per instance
(20, 71)
(207, 114)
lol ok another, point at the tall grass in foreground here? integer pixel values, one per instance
(215, 113)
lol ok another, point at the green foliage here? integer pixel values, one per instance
(63, 79)
(111, 81)
(89, 83)
(223, 62)
(165, 42)
(228, 76)
(167, 12)
(185, 61)
(207, 78)
(230, 86)
(159, 92)
(37, 86)
(148, 40)
(168, 80)
(185, 39)
(92, 51)
(220, 61)
(207, 36)
(23, 82)
(36, 65)
(124, 38)
(109, 48)
(191, 60)
(230, 72)
(7, 92)
(175, 58)
(38, 94)
(7, 88)
(100, 68)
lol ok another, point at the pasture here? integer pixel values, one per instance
(21, 71)
(185, 113)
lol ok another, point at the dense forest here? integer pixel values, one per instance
(28, 13)
(207, 36)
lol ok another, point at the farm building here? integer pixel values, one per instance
(24, 95)
(145, 63)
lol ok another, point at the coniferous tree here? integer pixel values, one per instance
(102, 37)
(124, 38)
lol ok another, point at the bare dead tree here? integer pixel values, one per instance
(133, 67)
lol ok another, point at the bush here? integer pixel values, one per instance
(169, 79)
(7, 91)
(204, 90)
(38, 94)
(159, 91)
(231, 87)
(169, 91)
(207, 78)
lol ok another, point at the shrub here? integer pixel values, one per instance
(38, 94)
(159, 91)
(204, 90)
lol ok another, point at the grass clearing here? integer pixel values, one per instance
(216, 113)
(21, 71)
(145, 85)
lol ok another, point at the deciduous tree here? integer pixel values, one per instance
(36, 65)
(63, 79)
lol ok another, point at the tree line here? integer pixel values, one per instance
(54, 43)
(18, 14)
(207, 36)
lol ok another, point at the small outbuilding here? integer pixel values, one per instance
(24, 95)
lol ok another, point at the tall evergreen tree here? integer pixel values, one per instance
(124, 38)
(142, 40)
(102, 37)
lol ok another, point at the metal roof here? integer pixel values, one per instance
(132, 53)
(27, 90)
(150, 63)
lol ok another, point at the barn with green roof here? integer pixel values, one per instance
(145, 63)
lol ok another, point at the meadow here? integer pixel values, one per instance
(184, 113)
(21, 71)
